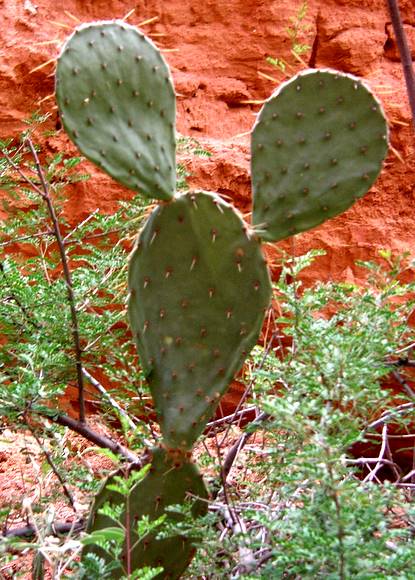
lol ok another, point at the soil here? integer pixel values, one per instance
(217, 52)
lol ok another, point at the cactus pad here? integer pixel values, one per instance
(199, 288)
(117, 104)
(172, 479)
(317, 146)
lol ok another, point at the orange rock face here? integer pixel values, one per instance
(217, 51)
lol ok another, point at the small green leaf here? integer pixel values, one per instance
(104, 535)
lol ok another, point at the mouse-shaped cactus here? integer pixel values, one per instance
(199, 285)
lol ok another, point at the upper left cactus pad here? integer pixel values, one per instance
(117, 103)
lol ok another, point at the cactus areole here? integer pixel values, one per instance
(199, 286)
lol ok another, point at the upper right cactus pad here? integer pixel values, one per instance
(317, 146)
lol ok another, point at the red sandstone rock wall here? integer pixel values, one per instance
(217, 50)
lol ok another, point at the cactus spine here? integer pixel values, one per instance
(199, 286)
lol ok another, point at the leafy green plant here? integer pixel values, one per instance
(110, 539)
(329, 383)
(38, 362)
(187, 146)
(299, 27)
(297, 502)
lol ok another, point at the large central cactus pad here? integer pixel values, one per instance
(117, 103)
(199, 290)
(317, 146)
(172, 480)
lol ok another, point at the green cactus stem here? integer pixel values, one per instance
(117, 103)
(199, 289)
(172, 479)
(317, 146)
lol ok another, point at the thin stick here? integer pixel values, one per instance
(395, 467)
(392, 414)
(112, 401)
(55, 470)
(100, 440)
(240, 443)
(364, 460)
(233, 416)
(403, 384)
(67, 242)
(232, 515)
(334, 492)
(372, 472)
(23, 176)
(68, 280)
(78, 226)
(248, 389)
(404, 52)
(58, 528)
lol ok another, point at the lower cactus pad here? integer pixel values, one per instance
(171, 480)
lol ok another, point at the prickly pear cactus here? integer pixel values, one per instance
(198, 283)
(199, 289)
(317, 147)
(171, 479)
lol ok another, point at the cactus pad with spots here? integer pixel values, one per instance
(317, 146)
(117, 104)
(199, 291)
(172, 480)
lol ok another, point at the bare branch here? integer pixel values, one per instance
(240, 443)
(389, 415)
(404, 52)
(30, 530)
(55, 470)
(97, 438)
(44, 192)
(111, 401)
